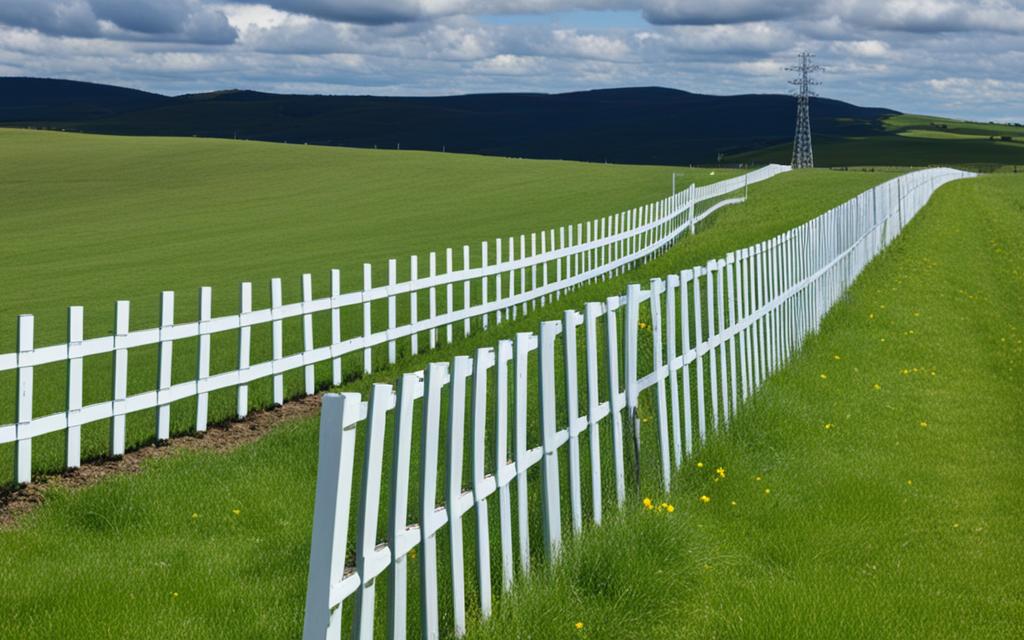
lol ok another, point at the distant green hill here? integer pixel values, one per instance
(644, 125)
(909, 140)
(639, 125)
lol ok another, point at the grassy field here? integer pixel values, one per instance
(92, 219)
(879, 502)
(910, 140)
(204, 537)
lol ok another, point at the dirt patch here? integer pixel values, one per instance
(17, 501)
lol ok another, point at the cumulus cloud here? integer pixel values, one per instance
(914, 55)
(185, 20)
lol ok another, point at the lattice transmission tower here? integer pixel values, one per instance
(803, 154)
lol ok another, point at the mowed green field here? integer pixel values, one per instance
(911, 140)
(88, 220)
(204, 537)
(871, 489)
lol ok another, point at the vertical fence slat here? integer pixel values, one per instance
(414, 276)
(73, 441)
(671, 327)
(203, 359)
(431, 518)
(392, 309)
(120, 391)
(461, 367)
(467, 289)
(591, 312)
(400, 539)
(660, 372)
(449, 259)
(572, 413)
(23, 409)
(307, 333)
(615, 400)
(481, 483)
(164, 355)
(367, 317)
(550, 493)
(505, 468)
(370, 560)
(521, 388)
(277, 331)
(336, 371)
(244, 346)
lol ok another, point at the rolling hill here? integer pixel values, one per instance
(648, 125)
(640, 125)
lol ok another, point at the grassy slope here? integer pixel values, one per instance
(909, 140)
(92, 219)
(134, 542)
(901, 520)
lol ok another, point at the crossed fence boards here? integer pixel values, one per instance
(735, 320)
(576, 254)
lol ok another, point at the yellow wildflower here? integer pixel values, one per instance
(836, 357)
(767, 491)
(876, 386)
(700, 465)
(705, 499)
(923, 424)
(195, 515)
(174, 595)
(648, 503)
(733, 503)
(579, 626)
(237, 512)
(720, 471)
(823, 376)
(910, 482)
(828, 425)
(758, 478)
(670, 508)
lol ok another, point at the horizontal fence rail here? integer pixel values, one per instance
(682, 354)
(511, 278)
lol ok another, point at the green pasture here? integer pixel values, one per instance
(89, 220)
(910, 140)
(871, 489)
(203, 537)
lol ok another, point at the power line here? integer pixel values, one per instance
(803, 154)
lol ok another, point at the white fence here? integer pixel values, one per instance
(575, 254)
(716, 332)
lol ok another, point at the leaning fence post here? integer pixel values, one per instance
(338, 419)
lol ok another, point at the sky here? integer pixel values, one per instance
(938, 57)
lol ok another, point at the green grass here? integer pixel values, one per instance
(134, 542)
(910, 140)
(900, 520)
(92, 219)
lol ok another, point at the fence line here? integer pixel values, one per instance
(597, 248)
(748, 312)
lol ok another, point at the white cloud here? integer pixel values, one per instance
(899, 53)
